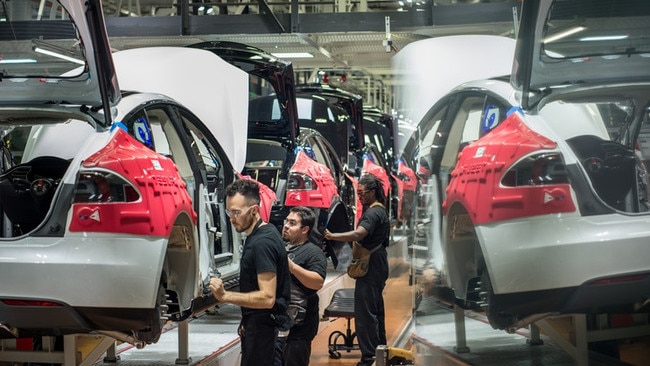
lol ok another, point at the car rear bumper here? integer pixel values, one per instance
(94, 279)
(565, 251)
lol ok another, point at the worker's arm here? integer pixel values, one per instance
(264, 298)
(355, 235)
(309, 279)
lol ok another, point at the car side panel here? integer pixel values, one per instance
(321, 197)
(475, 181)
(164, 194)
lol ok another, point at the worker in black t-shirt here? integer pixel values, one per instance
(373, 231)
(308, 266)
(264, 276)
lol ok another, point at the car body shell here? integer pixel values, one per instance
(114, 194)
(297, 163)
(537, 203)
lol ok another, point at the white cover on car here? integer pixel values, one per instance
(426, 70)
(216, 91)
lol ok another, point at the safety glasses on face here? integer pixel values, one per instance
(237, 213)
(292, 223)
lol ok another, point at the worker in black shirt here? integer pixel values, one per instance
(264, 276)
(373, 231)
(308, 266)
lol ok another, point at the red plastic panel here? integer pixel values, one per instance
(267, 197)
(325, 191)
(378, 171)
(475, 181)
(164, 193)
(412, 183)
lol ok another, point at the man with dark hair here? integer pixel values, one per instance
(264, 276)
(372, 232)
(308, 266)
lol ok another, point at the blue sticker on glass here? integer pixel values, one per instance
(490, 118)
(141, 131)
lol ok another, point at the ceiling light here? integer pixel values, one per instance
(292, 55)
(17, 61)
(58, 55)
(603, 38)
(563, 34)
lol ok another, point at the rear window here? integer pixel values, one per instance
(584, 28)
(38, 41)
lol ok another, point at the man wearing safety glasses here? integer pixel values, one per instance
(264, 276)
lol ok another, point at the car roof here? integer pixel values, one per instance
(563, 45)
(66, 62)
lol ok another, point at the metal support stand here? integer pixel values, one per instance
(534, 340)
(70, 356)
(183, 343)
(461, 338)
(111, 354)
(576, 347)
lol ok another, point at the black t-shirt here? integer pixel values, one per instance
(312, 258)
(264, 252)
(375, 221)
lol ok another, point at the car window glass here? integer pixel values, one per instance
(171, 144)
(427, 154)
(465, 129)
(205, 154)
(43, 41)
(317, 151)
(596, 28)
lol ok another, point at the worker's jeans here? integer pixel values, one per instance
(369, 316)
(258, 334)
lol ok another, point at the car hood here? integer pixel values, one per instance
(41, 61)
(567, 44)
(219, 98)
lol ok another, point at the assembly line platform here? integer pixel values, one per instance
(430, 327)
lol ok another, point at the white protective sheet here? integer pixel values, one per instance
(213, 89)
(426, 70)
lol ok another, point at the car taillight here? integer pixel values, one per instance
(29, 303)
(99, 186)
(535, 170)
(302, 182)
(403, 177)
(619, 279)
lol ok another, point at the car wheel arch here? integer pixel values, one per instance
(462, 250)
(181, 262)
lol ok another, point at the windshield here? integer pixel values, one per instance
(584, 28)
(38, 39)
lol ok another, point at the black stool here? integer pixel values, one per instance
(341, 306)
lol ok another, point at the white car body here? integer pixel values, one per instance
(539, 199)
(111, 195)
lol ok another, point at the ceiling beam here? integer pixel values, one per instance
(431, 16)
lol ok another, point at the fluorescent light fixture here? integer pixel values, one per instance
(58, 55)
(292, 55)
(563, 34)
(604, 38)
(17, 61)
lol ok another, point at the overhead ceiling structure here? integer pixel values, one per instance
(349, 43)
(352, 41)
